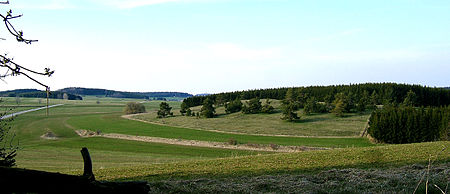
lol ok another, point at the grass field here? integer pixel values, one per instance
(313, 161)
(115, 159)
(63, 154)
(309, 125)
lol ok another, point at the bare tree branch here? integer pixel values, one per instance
(12, 68)
(12, 30)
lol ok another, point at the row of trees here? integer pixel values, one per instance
(407, 124)
(382, 93)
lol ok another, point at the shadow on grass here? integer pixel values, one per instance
(311, 119)
(312, 170)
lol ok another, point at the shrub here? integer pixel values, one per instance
(274, 146)
(134, 108)
(253, 106)
(233, 106)
(288, 112)
(183, 109)
(312, 106)
(7, 150)
(189, 112)
(267, 108)
(232, 141)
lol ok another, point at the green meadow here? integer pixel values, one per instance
(116, 159)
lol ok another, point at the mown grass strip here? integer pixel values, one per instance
(370, 157)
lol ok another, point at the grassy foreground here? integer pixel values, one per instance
(312, 161)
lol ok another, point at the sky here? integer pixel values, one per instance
(212, 46)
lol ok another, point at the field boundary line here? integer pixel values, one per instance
(130, 117)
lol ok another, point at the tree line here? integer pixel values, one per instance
(384, 93)
(33, 93)
(120, 94)
(407, 124)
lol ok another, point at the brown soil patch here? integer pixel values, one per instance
(49, 135)
(254, 147)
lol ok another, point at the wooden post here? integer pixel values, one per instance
(87, 164)
(48, 93)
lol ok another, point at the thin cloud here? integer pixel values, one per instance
(130, 4)
(44, 4)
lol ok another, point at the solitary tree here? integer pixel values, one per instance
(208, 109)
(339, 107)
(289, 107)
(164, 110)
(184, 107)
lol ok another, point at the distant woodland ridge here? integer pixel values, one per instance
(390, 93)
(120, 94)
(76, 93)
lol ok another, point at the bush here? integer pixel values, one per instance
(134, 108)
(7, 150)
(312, 106)
(267, 108)
(409, 125)
(232, 141)
(233, 106)
(253, 106)
(288, 112)
(189, 112)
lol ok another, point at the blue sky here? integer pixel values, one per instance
(211, 46)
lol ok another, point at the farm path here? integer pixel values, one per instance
(209, 144)
(27, 111)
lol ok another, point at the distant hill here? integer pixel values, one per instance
(34, 93)
(120, 94)
(204, 94)
(13, 93)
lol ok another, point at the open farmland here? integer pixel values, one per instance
(62, 153)
(166, 166)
